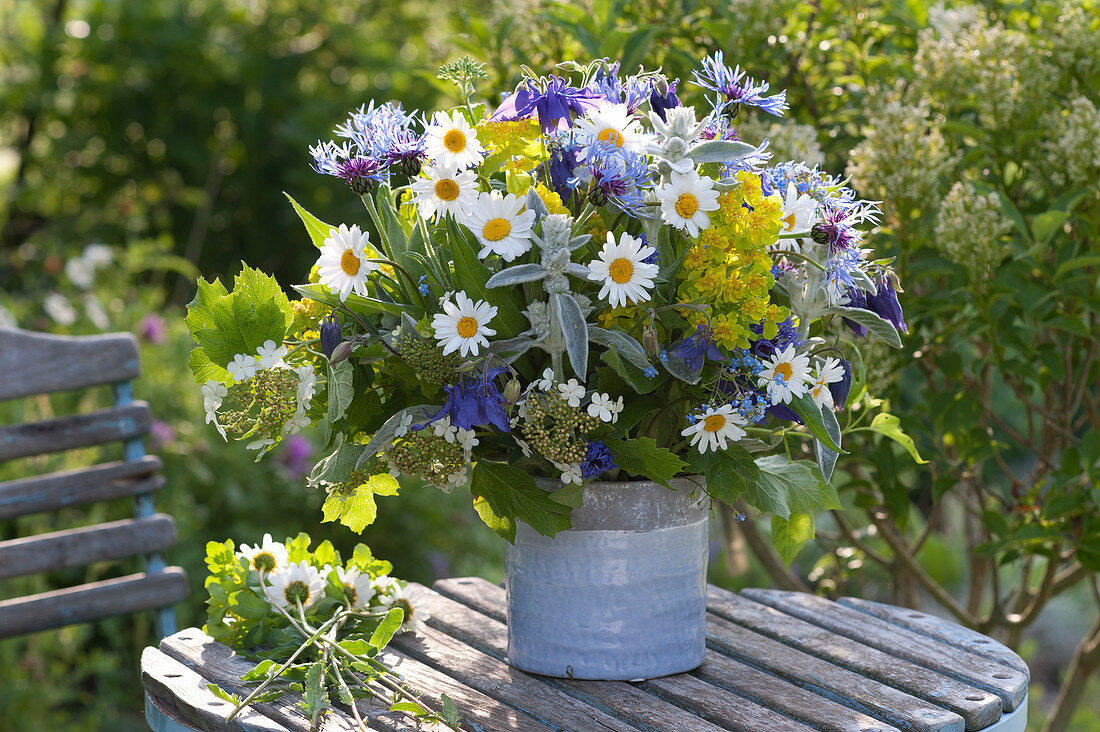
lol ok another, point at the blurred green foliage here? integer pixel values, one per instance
(169, 129)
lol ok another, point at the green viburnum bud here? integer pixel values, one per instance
(341, 352)
(511, 391)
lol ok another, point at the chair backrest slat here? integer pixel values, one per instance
(78, 430)
(77, 547)
(69, 488)
(36, 363)
(92, 601)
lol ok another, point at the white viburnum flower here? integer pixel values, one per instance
(409, 600)
(270, 355)
(523, 446)
(467, 439)
(299, 583)
(570, 472)
(212, 395)
(451, 143)
(829, 372)
(786, 375)
(610, 123)
(358, 590)
(572, 392)
(296, 423)
(622, 269)
(546, 383)
(343, 265)
(307, 385)
(403, 425)
(715, 428)
(243, 367)
(798, 216)
(444, 192)
(603, 407)
(499, 224)
(462, 327)
(686, 200)
(443, 428)
(267, 556)
(260, 445)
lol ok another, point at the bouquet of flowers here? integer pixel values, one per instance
(591, 280)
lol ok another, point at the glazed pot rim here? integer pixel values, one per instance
(637, 505)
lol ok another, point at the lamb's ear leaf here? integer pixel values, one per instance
(574, 332)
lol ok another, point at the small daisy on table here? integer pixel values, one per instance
(451, 142)
(500, 225)
(686, 200)
(296, 584)
(343, 266)
(462, 325)
(622, 268)
(267, 556)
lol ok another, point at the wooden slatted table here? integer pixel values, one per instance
(776, 662)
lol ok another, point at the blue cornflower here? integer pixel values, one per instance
(473, 403)
(422, 284)
(362, 173)
(836, 230)
(597, 460)
(839, 267)
(375, 139)
(631, 92)
(555, 104)
(696, 348)
(614, 175)
(734, 86)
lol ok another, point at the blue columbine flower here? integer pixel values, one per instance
(696, 348)
(597, 460)
(331, 334)
(556, 104)
(632, 91)
(884, 303)
(473, 403)
(614, 175)
(562, 163)
(734, 86)
(662, 97)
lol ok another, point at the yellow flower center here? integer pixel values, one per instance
(349, 262)
(621, 270)
(788, 222)
(446, 189)
(467, 327)
(714, 422)
(263, 562)
(784, 370)
(496, 229)
(611, 134)
(351, 594)
(454, 141)
(296, 592)
(686, 205)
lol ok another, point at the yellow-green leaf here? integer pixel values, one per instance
(889, 425)
(790, 535)
(358, 510)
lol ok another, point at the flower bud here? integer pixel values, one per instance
(341, 352)
(410, 167)
(649, 340)
(331, 335)
(511, 391)
(820, 234)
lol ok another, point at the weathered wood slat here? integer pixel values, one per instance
(56, 491)
(80, 430)
(473, 609)
(940, 629)
(36, 363)
(1010, 685)
(979, 708)
(849, 688)
(77, 547)
(793, 701)
(92, 601)
(729, 711)
(167, 678)
(500, 681)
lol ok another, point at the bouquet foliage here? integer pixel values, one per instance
(591, 280)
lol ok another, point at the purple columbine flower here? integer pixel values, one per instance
(597, 460)
(885, 303)
(473, 403)
(734, 86)
(331, 334)
(696, 348)
(840, 389)
(563, 161)
(662, 97)
(631, 92)
(555, 107)
(295, 456)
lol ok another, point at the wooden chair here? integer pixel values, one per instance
(33, 364)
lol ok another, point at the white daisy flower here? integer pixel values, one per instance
(499, 225)
(357, 586)
(343, 266)
(444, 191)
(604, 407)
(570, 472)
(462, 327)
(686, 200)
(829, 372)
(243, 367)
(266, 556)
(610, 123)
(572, 392)
(786, 374)
(403, 425)
(307, 385)
(547, 381)
(409, 600)
(626, 278)
(798, 216)
(385, 584)
(297, 583)
(271, 356)
(451, 142)
(715, 428)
